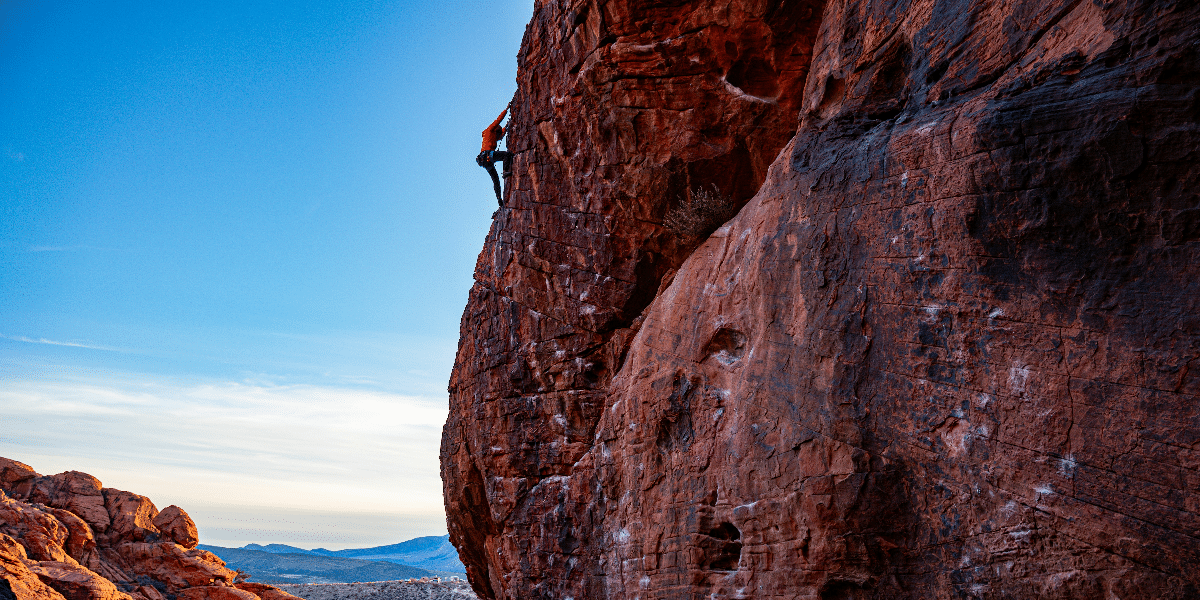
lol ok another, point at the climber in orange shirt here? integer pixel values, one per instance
(491, 137)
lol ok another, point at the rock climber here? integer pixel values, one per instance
(491, 137)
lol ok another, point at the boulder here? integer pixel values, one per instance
(16, 478)
(176, 525)
(131, 516)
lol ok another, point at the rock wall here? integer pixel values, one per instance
(622, 108)
(66, 537)
(948, 348)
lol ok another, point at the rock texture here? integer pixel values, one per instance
(66, 537)
(948, 348)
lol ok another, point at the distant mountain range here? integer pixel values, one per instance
(280, 563)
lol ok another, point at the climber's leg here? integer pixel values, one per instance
(485, 160)
(495, 181)
(507, 158)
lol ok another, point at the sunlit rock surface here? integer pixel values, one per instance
(66, 537)
(948, 348)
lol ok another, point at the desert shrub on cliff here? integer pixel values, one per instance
(704, 210)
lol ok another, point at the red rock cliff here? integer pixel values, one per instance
(66, 537)
(948, 347)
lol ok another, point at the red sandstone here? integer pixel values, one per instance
(66, 537)
(948, 347)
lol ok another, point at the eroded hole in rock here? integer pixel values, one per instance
(675, 426)
(567, 540)
(648, 272)
(578, 17)
(727, 346)
(886, 92)
(935, 74)
(754, 76)
(831, 96)
(593, 371)
(843, 590)
(726, 531)
(727, 551)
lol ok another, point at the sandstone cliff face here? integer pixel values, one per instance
(623, 108)
(947, 349)
(66, 537)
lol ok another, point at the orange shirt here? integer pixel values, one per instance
(493, 133)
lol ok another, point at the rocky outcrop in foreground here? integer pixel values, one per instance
(66, 537)
(949, 347)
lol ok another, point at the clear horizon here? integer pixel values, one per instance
(235, 244)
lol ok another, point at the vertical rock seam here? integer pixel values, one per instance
(947, 348)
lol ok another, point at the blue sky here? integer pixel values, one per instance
(236, 239)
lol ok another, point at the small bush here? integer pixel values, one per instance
(701, 214)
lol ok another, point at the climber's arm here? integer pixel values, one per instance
(496, 123)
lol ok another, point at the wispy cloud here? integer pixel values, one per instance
(221, 443)
(29, 340)
(13, 155)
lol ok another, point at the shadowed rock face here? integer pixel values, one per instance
(948, 348)
(66, 537)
